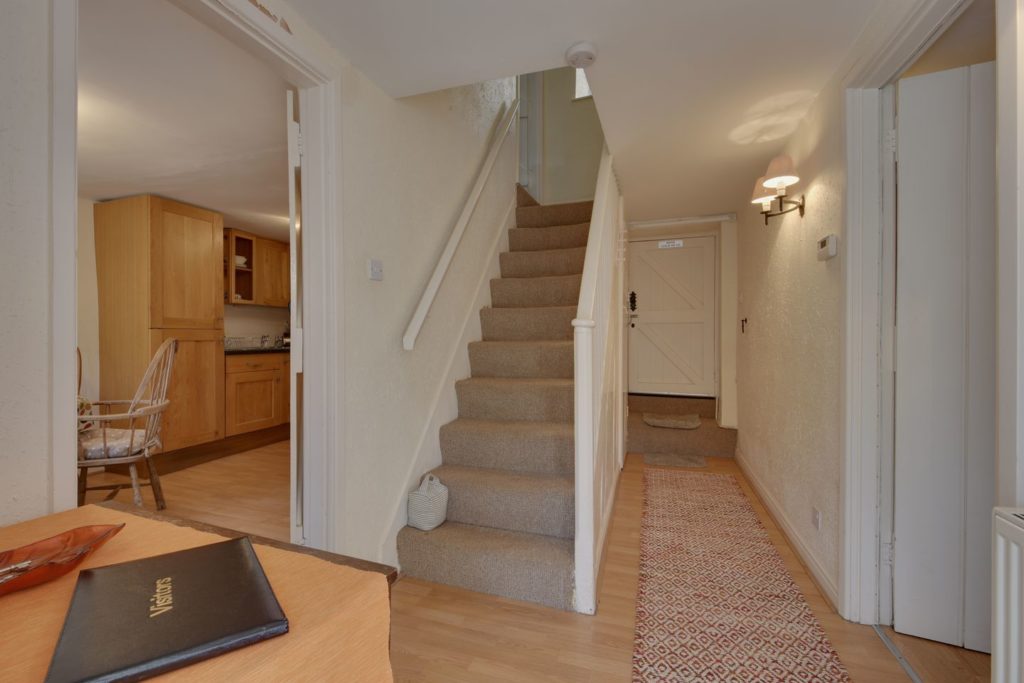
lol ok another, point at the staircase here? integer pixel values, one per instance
(508, 458)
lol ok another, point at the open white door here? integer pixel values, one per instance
(945, 356)
(297, 501)
(672, 299)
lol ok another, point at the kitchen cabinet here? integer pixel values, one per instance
(158, 267)
(196, 413)
(256, 270)
(256, 390)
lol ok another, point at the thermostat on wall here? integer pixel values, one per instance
(828, 247)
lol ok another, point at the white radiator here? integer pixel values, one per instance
(1007, 603)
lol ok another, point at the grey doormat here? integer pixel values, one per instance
(672, 421)
(673, 460)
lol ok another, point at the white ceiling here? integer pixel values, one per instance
(170, 107)
(695, 96)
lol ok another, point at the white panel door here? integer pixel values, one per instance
(672, 347)
(945, 347)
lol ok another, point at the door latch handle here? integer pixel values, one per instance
(632, 301)
(743, 326)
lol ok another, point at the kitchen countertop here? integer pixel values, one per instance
(245, 352)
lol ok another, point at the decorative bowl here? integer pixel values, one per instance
(51, 558)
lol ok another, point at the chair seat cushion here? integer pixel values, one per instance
(90, 443)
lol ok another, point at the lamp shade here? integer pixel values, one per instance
(781, 173)
(762, 194)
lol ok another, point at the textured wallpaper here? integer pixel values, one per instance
(789, 359)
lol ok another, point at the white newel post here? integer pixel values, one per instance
(586, 580)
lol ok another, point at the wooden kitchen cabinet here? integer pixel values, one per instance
(256, 270)
(159, 267)
(256, 392)
(196, 413)
(273, 284)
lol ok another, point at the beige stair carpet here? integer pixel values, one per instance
(508, 459)
(673, 460)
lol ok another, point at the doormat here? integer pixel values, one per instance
(715, 601)
(672, 421)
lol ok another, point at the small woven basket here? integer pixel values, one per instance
(428, 505)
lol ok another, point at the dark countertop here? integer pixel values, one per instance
(246, 352)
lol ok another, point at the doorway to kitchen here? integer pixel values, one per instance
(190, 228)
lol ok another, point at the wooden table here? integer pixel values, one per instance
(338, 608)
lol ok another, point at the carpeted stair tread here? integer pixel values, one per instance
(551, 359)
(553, 214)
(491, 398)
(521, 324)
(546, 239)
(710, 440)
(524, 198)
(512, 564)
(527, 446)
(524, 292)
(541, 263)
(672, 405)
(515, 501)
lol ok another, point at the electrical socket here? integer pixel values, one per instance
(816, 519)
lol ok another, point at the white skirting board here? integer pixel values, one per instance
(826, 584)
(1007, 602)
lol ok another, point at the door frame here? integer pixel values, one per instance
(681, 233)
(865, 489)
(320, 347)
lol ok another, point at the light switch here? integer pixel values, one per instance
(375, 267)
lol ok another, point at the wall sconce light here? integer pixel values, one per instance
(773, 187)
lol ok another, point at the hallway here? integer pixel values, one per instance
(441, 633)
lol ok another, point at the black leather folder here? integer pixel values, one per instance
(138, 619)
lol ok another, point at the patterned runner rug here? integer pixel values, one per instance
(715, 602)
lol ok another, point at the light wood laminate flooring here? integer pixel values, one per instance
(440, 633)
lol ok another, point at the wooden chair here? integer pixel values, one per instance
(119, 438)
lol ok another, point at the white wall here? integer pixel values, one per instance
(407, 168)
(88, 302)
(25, 287)
(789, 359)
(254, 321)
(573, 140)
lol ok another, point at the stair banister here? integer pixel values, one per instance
(597, 340)
(445, 261)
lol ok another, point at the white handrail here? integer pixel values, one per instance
(441, 269)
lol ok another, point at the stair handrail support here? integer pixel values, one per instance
(419, 316)
(594, 348)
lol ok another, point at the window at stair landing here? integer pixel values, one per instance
(582, 86)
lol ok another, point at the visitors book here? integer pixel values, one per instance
(134, 620)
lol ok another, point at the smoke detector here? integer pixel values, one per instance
(581, 55)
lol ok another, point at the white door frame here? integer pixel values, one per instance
(866, 358)
(243, 22)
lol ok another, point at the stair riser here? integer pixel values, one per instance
(533, 361)
(710, 440)
(557, 214)
(542, 453)
(542, 263)
(544, 512)
(532, 403)
(544, 239)
(514, 575)
(672, 405)
(535, 291)
(509, 324)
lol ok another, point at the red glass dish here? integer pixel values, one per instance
(51, 558)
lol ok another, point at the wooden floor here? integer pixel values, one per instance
(448, 634)
(248, 492)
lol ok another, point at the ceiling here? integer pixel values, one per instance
(695, 97)
(168, 106)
